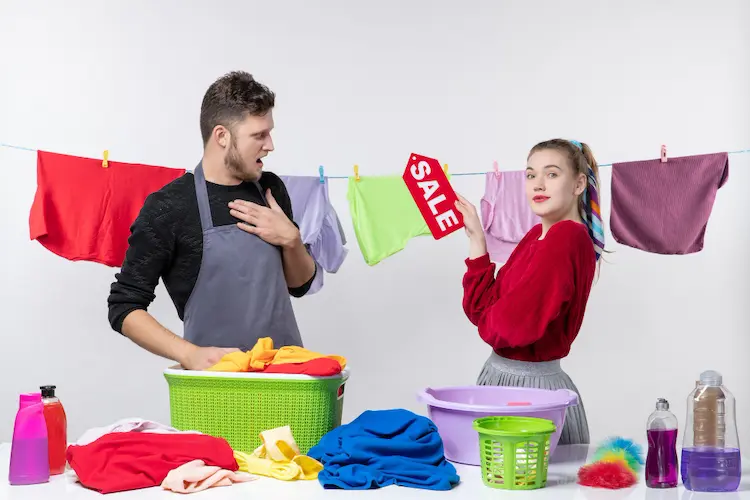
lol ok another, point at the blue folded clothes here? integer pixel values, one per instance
(383, 448)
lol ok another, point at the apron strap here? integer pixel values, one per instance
(262, 194)
(202, 193)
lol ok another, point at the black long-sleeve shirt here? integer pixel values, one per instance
(166, 242)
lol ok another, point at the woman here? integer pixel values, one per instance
(532, 311)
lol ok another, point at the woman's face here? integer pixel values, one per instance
(552, 185)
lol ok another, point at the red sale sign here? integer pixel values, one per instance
(433, 194)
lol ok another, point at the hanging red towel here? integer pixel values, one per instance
(124, 461)
(83, 211)
(664, 207)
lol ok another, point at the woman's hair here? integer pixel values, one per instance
(583, 162)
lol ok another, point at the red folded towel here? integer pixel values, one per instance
(124, 461)
(320, 367)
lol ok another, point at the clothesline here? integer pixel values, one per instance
(455, 174)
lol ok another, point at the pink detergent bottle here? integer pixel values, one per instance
(29, 458)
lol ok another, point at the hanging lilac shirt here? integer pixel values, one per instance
(506, 215)
(318, 223)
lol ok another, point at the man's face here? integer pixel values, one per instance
(250, 141)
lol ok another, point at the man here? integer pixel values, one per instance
(222, 240)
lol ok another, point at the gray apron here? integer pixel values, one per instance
(241, 294)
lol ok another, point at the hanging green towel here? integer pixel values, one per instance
(384, 215)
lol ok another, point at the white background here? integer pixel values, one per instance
(467, 82)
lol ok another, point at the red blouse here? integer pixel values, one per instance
(533, 310)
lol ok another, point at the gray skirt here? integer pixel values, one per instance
(539, 375)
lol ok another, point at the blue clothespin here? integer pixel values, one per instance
(320, 171)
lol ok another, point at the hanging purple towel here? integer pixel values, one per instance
(664, 207)
(318, 223)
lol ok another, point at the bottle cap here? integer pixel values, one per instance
(662, 404)
(48, 391)
(711, 378)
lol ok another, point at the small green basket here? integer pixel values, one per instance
(514, 451)
(239, 406)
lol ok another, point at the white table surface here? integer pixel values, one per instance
(561, 485)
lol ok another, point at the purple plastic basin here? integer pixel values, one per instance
(454, 409)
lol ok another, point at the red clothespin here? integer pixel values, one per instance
(663, 153)
(105, 161)
(496, 168)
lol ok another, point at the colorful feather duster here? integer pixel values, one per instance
(616, 464)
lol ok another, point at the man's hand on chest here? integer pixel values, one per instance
(270, 223)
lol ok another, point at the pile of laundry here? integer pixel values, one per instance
(287, 360)
(134, 454)
(377, 449)
(382, 448)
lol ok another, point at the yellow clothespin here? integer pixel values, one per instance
(445, 168)
(356, 173)
(105, 162)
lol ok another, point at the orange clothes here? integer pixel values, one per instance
(290, 354)
(263, 354)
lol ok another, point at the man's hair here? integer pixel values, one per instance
(230, 99)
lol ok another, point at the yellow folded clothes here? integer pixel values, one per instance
(291, 354)
(233, 362)
(263, 354)
(277, 444)
(300, 467)
(278, 457)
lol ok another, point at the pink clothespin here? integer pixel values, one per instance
(663, 153)
(496, 168)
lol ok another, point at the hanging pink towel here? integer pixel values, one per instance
(506, 215)
(664, 207)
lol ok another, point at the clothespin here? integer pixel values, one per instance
(320, 171)
(105, 162)
(356, 173)
(663, 153)
(445, 168)
(496, 168)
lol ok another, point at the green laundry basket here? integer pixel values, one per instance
(514, 451)
(239, 406)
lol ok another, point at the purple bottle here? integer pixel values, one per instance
(661, 460)
(29, 459)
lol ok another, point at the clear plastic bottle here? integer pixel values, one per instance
(661, 460)
(711, 447)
